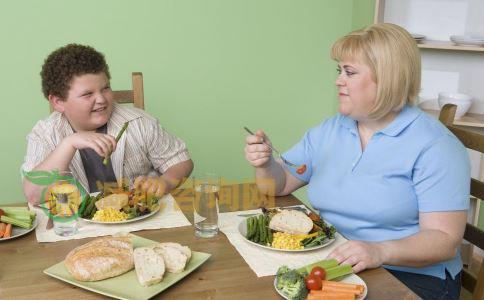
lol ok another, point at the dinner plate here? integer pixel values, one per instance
(467, 40)
(19, 231)
(243, 232)
(125, 221)
(353, 278)
(126, 286)
(418, 36)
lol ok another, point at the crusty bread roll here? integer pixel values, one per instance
(291, 221)
(175, 256)
(100, 259)
(149, 266)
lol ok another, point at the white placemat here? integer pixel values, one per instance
(169, 216)
(265, 262)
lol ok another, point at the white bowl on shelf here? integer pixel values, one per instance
(462, 101)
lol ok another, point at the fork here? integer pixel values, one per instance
(279, 153)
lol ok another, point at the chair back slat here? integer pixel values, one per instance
(477, 188)
(123, 96)
(474, 235)
(470, 139)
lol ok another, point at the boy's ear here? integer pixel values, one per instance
(57, 103)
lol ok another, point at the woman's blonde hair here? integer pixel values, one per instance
(393, 56)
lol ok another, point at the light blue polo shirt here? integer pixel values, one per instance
(413, 165)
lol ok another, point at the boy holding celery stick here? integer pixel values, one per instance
(81, 132)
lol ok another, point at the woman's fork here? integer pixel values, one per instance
(299, 167)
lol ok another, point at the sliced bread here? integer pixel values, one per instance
(149, 266)
(175, 258)
(291, 221)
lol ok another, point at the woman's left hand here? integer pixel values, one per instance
(360, 255)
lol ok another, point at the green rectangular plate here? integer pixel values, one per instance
(126, 286)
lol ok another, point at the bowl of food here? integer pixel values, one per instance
(462, 101)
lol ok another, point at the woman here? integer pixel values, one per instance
(393, 180)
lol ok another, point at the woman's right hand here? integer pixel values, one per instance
(257, 153)
(103, 144)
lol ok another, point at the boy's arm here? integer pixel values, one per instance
(173, 177)
(61, 157)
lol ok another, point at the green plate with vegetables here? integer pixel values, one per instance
(255, 230)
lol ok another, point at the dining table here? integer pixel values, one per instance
(225, 275)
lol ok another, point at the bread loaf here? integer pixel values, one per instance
(100, 259)
(149, 266)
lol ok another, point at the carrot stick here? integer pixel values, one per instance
(323, 295)
(337, 289)
(348, 286)
(3, 227)
(8, 231)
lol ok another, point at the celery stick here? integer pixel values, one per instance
(338, 271)
(325, 264)
(15, 222)
(23, 218)
(18, 211)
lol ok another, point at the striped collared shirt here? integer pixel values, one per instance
(144, 149)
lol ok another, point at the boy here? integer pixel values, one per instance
(80, 133)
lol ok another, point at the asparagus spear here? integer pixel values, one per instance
(120, 133)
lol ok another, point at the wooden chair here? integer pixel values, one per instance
(474, 235)
(135, 95)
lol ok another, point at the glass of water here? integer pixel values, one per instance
(65, 198)
(205, 204)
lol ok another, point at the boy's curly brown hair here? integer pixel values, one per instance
(66, 62)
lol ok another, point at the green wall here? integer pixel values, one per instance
(210, 67)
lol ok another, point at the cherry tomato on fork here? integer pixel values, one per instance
(301, 169)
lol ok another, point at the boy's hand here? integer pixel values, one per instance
(151, 185)
(103, 144)
(257, 153)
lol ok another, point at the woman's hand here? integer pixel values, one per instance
(151, 185)
(360, 255)
(103, 144)
(257, 153)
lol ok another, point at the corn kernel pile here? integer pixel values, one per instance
(109, 215)
(288, 241)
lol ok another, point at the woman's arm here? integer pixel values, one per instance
(438, 240)
(271, 177)
(439, 237)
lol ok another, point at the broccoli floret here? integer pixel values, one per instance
(297, 291)
(291, 283)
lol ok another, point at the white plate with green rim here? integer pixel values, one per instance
(243, 232)
(126, 286)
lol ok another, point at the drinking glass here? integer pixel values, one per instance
(205, 204)
(65, 198)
